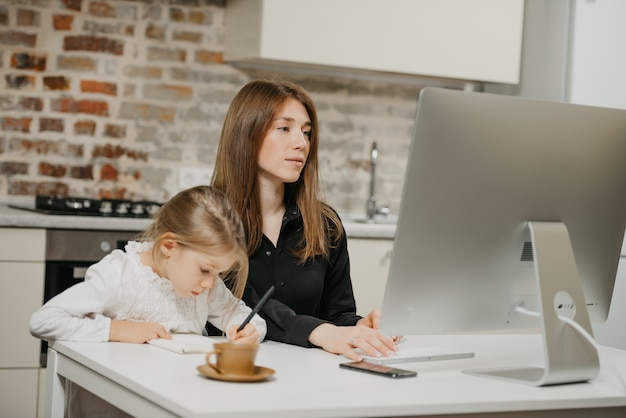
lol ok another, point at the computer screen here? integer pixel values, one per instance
(500, 191)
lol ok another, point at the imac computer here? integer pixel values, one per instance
(510, 204)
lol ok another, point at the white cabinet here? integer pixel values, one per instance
(369, 267)
(18, 394)
(22, 267)
(477, 40)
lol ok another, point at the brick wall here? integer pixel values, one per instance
(110, 98)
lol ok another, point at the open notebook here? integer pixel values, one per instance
(417, 354)
(187, 343)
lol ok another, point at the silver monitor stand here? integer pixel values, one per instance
(569, 356)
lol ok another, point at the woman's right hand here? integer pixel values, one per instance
(345, 340)
(137, 332)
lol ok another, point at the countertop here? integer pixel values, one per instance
(21, 218)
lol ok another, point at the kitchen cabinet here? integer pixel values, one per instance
(17, 398)
(22, 269)
(478, 40)
(369, 267)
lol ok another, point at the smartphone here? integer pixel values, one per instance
(378, 369)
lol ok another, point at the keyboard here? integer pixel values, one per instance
(410, 355)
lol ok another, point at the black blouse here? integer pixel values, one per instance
(305, 296)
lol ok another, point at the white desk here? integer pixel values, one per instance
(151, 382)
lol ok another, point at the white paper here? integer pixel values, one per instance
(186, 343)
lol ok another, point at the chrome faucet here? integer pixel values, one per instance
(372, 208)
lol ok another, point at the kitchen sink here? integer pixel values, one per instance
(362, 219)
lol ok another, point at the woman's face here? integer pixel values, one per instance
(285, 147)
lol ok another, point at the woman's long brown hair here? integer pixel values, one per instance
(249, 118)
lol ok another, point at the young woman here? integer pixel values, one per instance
(267, 165)
(171, 281)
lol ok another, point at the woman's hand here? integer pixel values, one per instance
(372, 320)
(344, 340)
(137, 332)
(248, 335)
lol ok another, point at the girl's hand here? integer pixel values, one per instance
(344, 340)
(248, 335)
(137, 332)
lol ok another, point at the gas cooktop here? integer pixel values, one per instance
(78, 206)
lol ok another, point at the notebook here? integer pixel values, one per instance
(186, 343)
(411, 354)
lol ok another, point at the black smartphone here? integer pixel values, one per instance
(378, 369)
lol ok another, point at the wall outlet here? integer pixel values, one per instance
(193, 176)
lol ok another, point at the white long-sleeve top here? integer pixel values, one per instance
(120, 287)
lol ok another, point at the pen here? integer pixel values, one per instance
(257, 308)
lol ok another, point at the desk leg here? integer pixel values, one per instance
(55, 388)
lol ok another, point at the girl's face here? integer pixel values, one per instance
(285, 147)
(192, 272)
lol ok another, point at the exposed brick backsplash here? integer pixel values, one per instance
(58, 82)
(110, 98)
(92, 86)
(25, 61)
(17, 38)
(16, 124)
(62, 22)
(70, 105)
(51, 124)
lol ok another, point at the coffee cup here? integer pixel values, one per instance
(233, 358)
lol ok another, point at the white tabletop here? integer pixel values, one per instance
(309, 383)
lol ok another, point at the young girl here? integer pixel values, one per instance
(171, 281)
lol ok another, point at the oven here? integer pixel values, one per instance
(68, 254)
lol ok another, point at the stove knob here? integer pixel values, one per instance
(106, 207)
(73, 204)
(153, 209)
(138, 209)
(122, 208)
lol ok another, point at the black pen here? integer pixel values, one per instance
(257, 308)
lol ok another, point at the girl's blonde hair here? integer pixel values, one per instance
(248, 120)
(202, 219)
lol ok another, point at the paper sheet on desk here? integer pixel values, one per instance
(186, 343)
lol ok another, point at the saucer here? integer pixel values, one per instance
(260, 373)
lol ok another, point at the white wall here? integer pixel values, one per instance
(597, 76)
(573, 50)
(598, 53)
